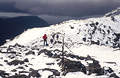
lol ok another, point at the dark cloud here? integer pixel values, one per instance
(8, 6)
(67, 8)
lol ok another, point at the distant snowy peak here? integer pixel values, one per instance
(113, 13)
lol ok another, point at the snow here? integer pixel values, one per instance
(45, 74)
(73, 32)
(101, 53)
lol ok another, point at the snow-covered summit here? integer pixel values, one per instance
(113, 13)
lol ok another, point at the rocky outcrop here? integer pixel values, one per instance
(72, 66)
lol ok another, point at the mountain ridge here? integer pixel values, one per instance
(113, 13)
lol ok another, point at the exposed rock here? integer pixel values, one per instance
(20, 72)
(12, 52)
(15, 62)
(1, 65)
(43, 51)
(5, 60)
(109, 70)
(72, 66)
(46, 52)
(50, 63)
(97, 43)
(34, 73)
(3, 73)
(95, 68)
(113, 75)
(30, 52)
(14, 70)
(31, 69)
(26, 60)
(20, 67)
(18, 76)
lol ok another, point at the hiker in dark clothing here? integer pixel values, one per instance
(45, 39)
(51, 40)
(57, 36)
(53, 36)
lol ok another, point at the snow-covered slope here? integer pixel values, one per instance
(90, 50)
(114, 12)
(100, 31)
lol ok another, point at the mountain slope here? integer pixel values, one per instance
(90, 50)
(101, 31)
(113, 13)
(11, 27)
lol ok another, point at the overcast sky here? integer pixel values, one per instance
(55, 11)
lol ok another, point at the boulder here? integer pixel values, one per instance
(18, 76)
(34, 73)
(15, 62)
(30, 52)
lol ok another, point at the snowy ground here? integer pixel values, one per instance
(73, 31)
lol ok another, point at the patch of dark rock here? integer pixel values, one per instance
(76, 56)
(20, 67)
(109, 70)
(92, 24)
(30, 64)
(97, 23)
(113, 19)
(12, 52)
(85, 24)
(95, 67)
(114, 75)
(20, 72)
(79, 57)
(72, 27)
(19, 55)
(50, 63)
(117, 37)
(3, 74)
(34, 73)
(108, 31)
(49, 54)
(50, 76)
(26, 65)
(31, 69)
(15, 62)
(46, 52)
(59, 42)
(79, 31)
(1, 65)
(14, 70)
(111, 63)
(97, 43)
(18, 76)
(30, 52)
(11, 56)
(43, 50)
(18, 45)
(1, 57)
(84, 39)
(72, 66)
(5, 60)
(26, 60)
(89, 58)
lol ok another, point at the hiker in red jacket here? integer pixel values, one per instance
(45, 39)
